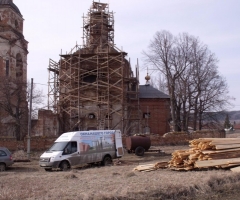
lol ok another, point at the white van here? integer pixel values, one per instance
(74, 149)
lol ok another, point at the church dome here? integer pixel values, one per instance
(11, 4)
(147, 78)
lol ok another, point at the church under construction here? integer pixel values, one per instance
(93, 86)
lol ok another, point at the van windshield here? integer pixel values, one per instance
(58, 146)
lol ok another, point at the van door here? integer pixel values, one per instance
(71, 153)
(118, 142)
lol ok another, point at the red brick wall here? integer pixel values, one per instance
(184, 138)
(46, 125)
(42, 144)
(37, 143)
(159, 110)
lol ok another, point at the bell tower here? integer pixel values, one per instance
(13, 71)
(13, 46)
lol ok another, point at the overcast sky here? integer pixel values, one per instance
(54, 25)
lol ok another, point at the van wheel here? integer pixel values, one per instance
(2, 167)
(64, 166)
(139, 151)
(107, 160)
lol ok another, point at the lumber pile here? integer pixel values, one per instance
(207, 153)
(151, 167)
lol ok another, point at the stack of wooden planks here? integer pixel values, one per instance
(206, 153)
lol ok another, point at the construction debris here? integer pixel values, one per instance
(207, 153)
(204, 153)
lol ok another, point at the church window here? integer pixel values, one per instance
(7, 67)
(91, 116)
(146, 115)
(16, 24)
(19, 66)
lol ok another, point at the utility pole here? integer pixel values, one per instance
(29, 121)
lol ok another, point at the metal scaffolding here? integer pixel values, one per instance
(92, 86)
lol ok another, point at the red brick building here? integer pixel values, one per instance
(155, 108)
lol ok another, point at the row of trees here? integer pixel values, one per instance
(189, 71)
(14, 99)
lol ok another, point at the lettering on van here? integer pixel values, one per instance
(96, 133)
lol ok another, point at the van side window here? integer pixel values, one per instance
(70, 148)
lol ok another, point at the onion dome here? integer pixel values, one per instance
(147, 78)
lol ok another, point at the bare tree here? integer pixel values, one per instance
(14, 100)
(13, 104)
(37, 99)
(193, 81)
(159, 82)
(164, 56)
(210, 90)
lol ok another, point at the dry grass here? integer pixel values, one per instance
(116, 182)
(29, 181)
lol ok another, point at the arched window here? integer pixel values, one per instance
(16, 24)
(7, 67)
(91, 116)
(19, 66)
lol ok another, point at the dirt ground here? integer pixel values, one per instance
(26, 180)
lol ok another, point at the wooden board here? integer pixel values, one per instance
(216, 139)
(207, 153)
(161, 165)
(235, 169)
(144, 167)
(225, 142)
(227, 146)
(212, 163)
(148, 170)
(219, 151)
(229, 165)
